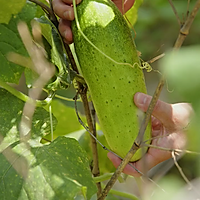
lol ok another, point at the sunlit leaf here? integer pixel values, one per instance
(10, 8)
(67, 119)
(10, 114)
(58, 54)
(59, 170)
(10, 41)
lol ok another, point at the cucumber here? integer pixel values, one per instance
(110, 66)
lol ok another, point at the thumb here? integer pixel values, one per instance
(162, 110)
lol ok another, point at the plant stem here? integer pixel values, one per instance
(48, 11)
(175, 12)
(103, 177)
(123, 194)
(95, 170)
(23, 97)
(184, 31)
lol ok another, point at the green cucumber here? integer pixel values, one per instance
(111, 68)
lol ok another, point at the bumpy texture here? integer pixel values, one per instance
(111, 85)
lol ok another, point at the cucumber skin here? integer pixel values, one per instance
(111, 86)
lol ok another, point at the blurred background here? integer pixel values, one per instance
(156, 31)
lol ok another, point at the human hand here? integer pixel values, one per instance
(168, 125)
(64, 9)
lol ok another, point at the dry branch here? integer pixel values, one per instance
(184, 31)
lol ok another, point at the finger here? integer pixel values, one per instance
(156, 126)
(71, 1)
(172, 116)
(65, 30)
(63, 10)
(128, 4)
(116, 162)
(148, 161)
(162, 110)
(182, 113)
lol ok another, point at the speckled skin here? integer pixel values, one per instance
(111, 86)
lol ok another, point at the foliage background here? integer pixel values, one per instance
(157, 30)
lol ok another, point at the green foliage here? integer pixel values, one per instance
(84, 140)
(11, 112)
(67, 119)
(55, 171)
(10, 41)
(9, 8)
(60, 169)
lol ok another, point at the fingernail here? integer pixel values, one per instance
(68, 14)
(141, 98)
(65, 34)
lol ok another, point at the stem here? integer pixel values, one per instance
(103, 177)
(23, 97)
(184, 31)
(175, 12)
(123, 194)
(48, 11)
(42, 5)
(95, 170)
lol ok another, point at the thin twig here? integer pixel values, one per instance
(48, 11)
(169, 149)
(95, 171)
(156, 58)
(184, 31)
(180, 170)
(188, 5)
(175, 12)
(183, 175)
(42, 5)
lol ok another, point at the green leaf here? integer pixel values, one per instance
(59, 170)
(58, 54)
(10, 114)
(105, 164)
(10, 41)
(67, 119)
(9, 8)
(10, 180)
